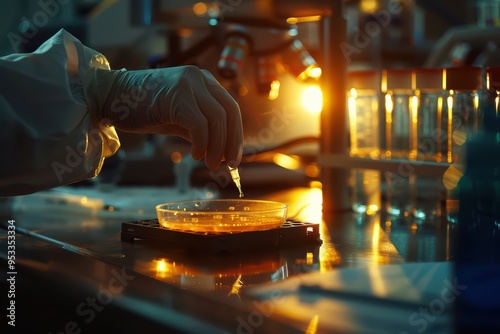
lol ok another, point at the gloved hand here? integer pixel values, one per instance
(181, 101)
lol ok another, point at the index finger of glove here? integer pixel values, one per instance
(216, 124)
(234, 143)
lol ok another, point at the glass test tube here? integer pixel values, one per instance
(463, 121)
(400, 136)
(427, 192)
(363, 105)
(493, 83)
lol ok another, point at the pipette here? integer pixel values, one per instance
(235, 175)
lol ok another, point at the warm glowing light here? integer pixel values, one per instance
(84, 200)
(476, 102)
(449, 157)
(312, 170)
(235, 289)
(243, 90)
(381, 249)
(162, 268)
(316, 196)
(353, 92)
(414, 107)
(200, 8)
(311, 72)
(312, 210)
(286, 161)
(309, 258)
(176, 157)
(314, 72)
(439, 134)
(316, 185)
(414, 127)
(372, 209)
(274, 92)
(475, 122)
(368, 6)
(312, 99)
(111, 208)
(383, 82)
(451, 177)
(302, 19)
(459, 136)
(353, 123)
(389, 105)
(312, 328)
(374, 154)
(329, 256)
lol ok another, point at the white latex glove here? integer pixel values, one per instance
(181, 101)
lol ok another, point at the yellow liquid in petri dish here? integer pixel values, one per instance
(214, 224)
(222, 216)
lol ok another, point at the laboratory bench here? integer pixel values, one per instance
(74, 274)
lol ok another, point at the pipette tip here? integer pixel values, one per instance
(235, 175)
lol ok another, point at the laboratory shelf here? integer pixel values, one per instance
(403, 166)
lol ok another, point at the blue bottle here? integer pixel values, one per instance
(477, 254)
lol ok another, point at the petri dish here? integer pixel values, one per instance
(222, 215)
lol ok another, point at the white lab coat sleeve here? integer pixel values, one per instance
(50, 136)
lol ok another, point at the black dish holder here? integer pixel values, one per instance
(291, 233)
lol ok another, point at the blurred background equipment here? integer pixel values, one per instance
(274, 59)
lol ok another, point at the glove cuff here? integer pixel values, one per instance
(97, 87)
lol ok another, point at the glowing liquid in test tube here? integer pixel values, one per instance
(363, 108)
(235, 175)
(464, 85)
(401, 122)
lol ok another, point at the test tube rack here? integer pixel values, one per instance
(291, 233)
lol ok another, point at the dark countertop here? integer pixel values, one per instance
(69, 258)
